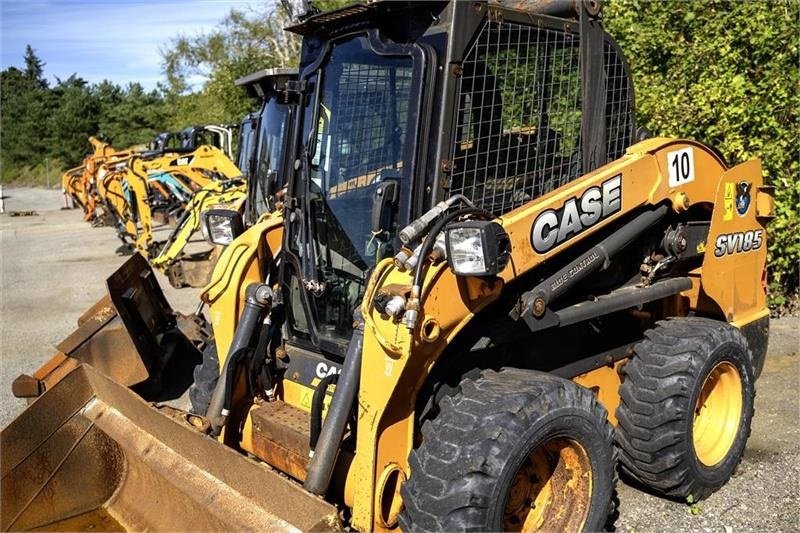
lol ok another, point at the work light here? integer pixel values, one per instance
(477, 248)
(221, 226)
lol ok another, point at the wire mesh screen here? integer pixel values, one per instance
(619, 105)
(368, 130)
(518, 121)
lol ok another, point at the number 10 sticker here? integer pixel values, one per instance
(681, 167)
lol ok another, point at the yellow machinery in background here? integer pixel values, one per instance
(193, 269)
(217, 135)
(484, 293)
(80, 183)
(72, 186)
(141, 185)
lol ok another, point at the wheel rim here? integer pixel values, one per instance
(718, 413)
(552, 489)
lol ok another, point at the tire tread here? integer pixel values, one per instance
(455, 470)
(654, 403)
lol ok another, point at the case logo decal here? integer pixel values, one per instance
(553, 227)
(743, 197)
(324, 370)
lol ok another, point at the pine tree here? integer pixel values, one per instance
(34, 67)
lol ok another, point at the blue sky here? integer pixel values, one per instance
(115, 40)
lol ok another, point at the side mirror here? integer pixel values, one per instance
(387, 191)
(221, 226)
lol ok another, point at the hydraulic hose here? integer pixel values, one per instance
(317, 406)
(430, 238)
(416, 227)
(258, 298)
(321, 466)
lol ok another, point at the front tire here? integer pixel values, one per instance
(206, 375)
(686, 405)
(513, 450)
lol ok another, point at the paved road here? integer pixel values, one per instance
(51, 270)
(53, 267)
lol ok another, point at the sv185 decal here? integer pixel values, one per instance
(553, 227)
(739, 242)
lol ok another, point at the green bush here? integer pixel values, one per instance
(725, 73)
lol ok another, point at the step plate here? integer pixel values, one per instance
(280, 437)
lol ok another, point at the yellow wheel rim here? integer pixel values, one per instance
(551, 490)
(717, 414)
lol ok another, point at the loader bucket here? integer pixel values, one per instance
(89, 454)
(131, 335)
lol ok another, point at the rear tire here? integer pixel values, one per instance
(686, 406)
(206, 375)
(510, 449)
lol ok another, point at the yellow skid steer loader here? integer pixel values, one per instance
(484, 295)
(261, 157)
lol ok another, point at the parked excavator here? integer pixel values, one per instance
(483, 295)
(81, 183)
(157, 185)
(72, 186)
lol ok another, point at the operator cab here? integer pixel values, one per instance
(395, 115)
(165, 141)
(219, 136)
(263, 139)
(248, 130)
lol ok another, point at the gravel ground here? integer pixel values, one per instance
(51, 267)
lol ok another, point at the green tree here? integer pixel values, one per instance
(130, 116)
(24, 105)
(71, 119)
(242, 43)
(725, 73)
(245, 41)
(45, 128)
(34, 67)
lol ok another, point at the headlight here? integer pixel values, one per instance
(221, 226)
(477, 248)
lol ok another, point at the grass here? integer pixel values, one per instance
(41, 175)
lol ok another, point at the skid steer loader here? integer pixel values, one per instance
(483, 295)
(261, 153)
